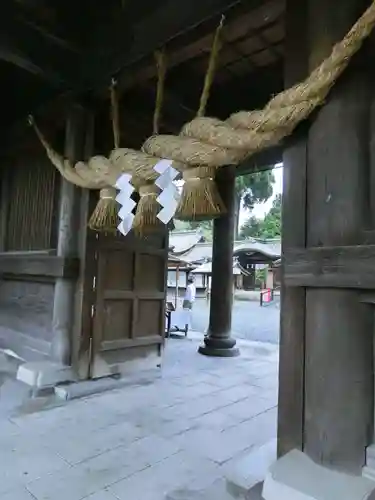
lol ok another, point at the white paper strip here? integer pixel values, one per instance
(125, 225)
(127, 204)
(125, 193)
(122, 181)
(162, 166)
(126, 209)
(168, 195)
(167, 212)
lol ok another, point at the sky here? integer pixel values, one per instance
(261, 209)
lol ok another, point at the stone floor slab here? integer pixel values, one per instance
(144, 440)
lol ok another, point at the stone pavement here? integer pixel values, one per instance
(142, 442)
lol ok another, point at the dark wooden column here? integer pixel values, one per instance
(330, 330)
(4, 204)
(292, 318)
(219, 341)
(338, 378)
(67, 243)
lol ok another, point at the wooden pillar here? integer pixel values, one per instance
(292, 317)
(218, 341)
(67, 244)
(85, 292)
(338, 380)
(177, 293)
(5, 194)
(326, 390)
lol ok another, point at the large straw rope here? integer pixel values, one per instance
(215, 143)
(211, 142)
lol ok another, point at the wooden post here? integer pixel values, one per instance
(337, 398)
(5, 187)
(85, 293)
(67, 245)
(219, 341)
(176, 291)
(292, 318)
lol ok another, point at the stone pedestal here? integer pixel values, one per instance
(296, 477)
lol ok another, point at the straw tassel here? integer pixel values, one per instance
(145, 220)
(105, 216)
(200, 198)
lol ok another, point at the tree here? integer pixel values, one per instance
(269, 227)
(251, 228)
(252, 189)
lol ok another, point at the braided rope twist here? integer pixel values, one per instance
(210, 142)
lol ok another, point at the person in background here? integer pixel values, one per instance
(189, 299)
(208, 290)
(190, 292)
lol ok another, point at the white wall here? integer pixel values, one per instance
(171, 279)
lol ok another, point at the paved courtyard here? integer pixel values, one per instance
(182, 431)
(249, 320)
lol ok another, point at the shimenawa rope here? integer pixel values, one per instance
(214, 143)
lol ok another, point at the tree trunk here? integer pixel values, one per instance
(237, 208)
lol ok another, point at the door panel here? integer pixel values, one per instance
(130, 303)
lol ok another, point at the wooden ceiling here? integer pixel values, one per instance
(73, 49)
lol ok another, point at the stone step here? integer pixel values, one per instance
(217, 491)
(296, 477)
(243, 479)
(370, 457)
(250, 469)
(86, 388)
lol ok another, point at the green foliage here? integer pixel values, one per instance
(250, 189)
(269, 227)
(260, 277)
(255, 188)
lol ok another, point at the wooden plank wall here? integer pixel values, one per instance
(28, 265)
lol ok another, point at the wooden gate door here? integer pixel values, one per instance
(129, 314)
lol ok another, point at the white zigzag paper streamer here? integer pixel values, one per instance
(168, 196)
(127, 204)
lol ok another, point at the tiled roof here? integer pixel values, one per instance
(202, 252)
(182, 241)
(206, 268)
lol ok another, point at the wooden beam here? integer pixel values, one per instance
(332, 267)
(263, 160)
(180, 21)
(38, 265)
(26, 46)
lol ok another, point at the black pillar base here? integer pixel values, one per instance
(219, 347)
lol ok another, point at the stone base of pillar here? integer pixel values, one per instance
(296, 477)
(369, 469)
(219, 347)
(45, 374)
